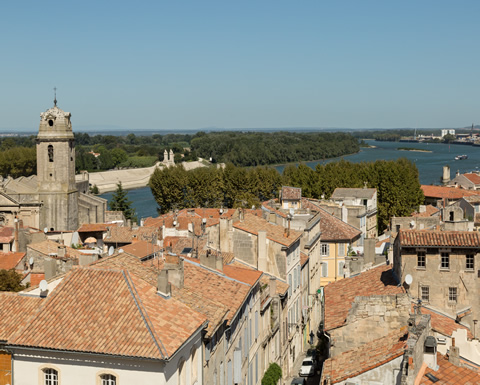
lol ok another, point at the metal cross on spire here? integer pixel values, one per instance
(55, 92)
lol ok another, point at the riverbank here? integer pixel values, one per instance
(132, 178)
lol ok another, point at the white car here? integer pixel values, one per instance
(308, 367)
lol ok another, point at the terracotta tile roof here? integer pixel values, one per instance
(6, 234)
(219, 302)
(439, 238)
(303, 258)
(429, 211)
(215, 286)
(380, 243)
(253, 224)
(186, 216)
(119, 234)
(291, 193)
(124, 261)
(448, 373)
(472, 177)
(94, 227)
(443, 324)
(51, 247)
(441, 192)
(15, 310)
(36, 278)
(226, 256)
(242, 273)
(141, 249)
(110, 312)
(10, 260)
(332, 229)
(363, 193)
(473, 199)
(281, 288)
(340, 295)
(366, 357)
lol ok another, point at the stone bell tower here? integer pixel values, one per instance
(56, 171)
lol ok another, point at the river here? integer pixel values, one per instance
(429, 165)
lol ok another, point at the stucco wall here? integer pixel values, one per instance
(80, 369)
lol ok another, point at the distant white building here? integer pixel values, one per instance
(448, 132)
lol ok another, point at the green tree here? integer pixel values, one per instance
(120, 202)
(272, 374)
(10, 280)
(118, 156)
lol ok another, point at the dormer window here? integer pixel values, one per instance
(50, 153)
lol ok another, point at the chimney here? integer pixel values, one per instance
(454, 354)
(262, 250)
(15, 244)
(50, 268)
(176, 273)
(219, 262)
(272, 286)
(61, 251)
(163, 286)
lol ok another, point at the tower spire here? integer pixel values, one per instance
(55, 92)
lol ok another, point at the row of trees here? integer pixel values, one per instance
(397, 185)
(260, 148)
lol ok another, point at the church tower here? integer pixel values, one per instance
(56, 171)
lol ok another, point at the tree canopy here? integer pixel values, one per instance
(10, 280)
(397, 184)
(120, 202)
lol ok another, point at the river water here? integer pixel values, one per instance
(430, 166)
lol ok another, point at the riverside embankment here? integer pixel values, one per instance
(132, 178)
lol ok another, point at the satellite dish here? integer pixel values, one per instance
(120, 250)
(292, 212)
(43, 285)
(110, 250)
(45, 230)
(31, 260)
(408, 279)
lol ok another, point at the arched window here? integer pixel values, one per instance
(50, 153)
(108, 379)
(50, 376)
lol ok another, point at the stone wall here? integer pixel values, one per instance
(370, 318)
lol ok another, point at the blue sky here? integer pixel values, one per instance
(241, 64)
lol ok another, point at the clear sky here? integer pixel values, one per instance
(241, 64)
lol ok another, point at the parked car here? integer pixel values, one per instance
(308, 367)
(299, 381)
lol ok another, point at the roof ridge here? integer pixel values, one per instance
(144, 313)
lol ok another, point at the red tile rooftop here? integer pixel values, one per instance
(472, 177)
(340, 295)
(15, 311)
(94, 227)
(110, 312)
(291, 193)
(443, 324)
(10, 260)
(429, 211)
(409, 238)
(448, 373)
(253, 224)
(441, 192)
